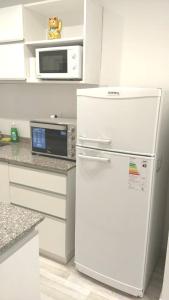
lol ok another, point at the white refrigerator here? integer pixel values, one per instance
(122, 178)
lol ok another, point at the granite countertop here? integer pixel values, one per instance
(15, 222)
(20, 154)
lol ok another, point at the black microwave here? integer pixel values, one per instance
(54, 137)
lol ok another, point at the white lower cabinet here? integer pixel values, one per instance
(19, 269)
(53, 244)
(46, 202)
(53, 194)
(4, 195)
(48, 181)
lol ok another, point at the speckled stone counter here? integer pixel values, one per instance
(15, 223)
(20, 154)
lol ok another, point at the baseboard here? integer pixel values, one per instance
(57, 258)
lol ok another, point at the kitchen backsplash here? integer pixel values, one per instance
(22, 125)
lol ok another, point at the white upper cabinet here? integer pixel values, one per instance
(12, 62)
(71, 12)
(82, 25)
(11, 24)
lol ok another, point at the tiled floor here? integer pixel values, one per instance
(59, 282)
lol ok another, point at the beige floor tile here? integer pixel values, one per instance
(62, 285)
(53, 294)
(45, 297)
(92, 285)
(54, 268)
(64, 282)
(94, 296)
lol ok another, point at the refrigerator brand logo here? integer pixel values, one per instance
(114, 93)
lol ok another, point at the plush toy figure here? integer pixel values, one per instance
(54, 28)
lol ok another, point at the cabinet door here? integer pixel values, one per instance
(11, 25)
(52, 238)
(43, 201)
(4, 195)
(12, 63)
(49, 181)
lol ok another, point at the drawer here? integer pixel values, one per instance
(48, 203)
(38, 179)
(52, 236)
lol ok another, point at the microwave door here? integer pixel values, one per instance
(56, 142)
(49, 141)
(52, 63)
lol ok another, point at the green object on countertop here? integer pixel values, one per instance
(6, 139)
(14, 134)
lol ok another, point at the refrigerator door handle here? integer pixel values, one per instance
(103, 141)
(94, 158)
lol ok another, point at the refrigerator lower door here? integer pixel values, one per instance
(112, 216)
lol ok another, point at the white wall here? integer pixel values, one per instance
(135, 53)
(136, 43)
(27, 101)
(136, 47)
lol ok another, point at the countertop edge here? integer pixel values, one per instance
(36, 167)
(20, 236)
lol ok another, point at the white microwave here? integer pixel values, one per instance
(64, 63)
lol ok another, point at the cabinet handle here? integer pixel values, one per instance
(94, 158)
(105, 141)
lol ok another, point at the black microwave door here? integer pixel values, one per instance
(49, 141)
(53, 61)
(56, 142)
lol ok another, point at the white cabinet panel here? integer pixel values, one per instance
(11, 23)
(38, 179)
(48, 203)
(21, 266)
(4, 195)
(54, 195)
(12, 62)
(52, 237)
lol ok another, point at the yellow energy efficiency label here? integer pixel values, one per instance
(133, 170)
(137, 174)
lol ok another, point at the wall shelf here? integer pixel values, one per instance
(46, 43)
(42, 81)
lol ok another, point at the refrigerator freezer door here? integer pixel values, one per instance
(125, 124)
(112, 216)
